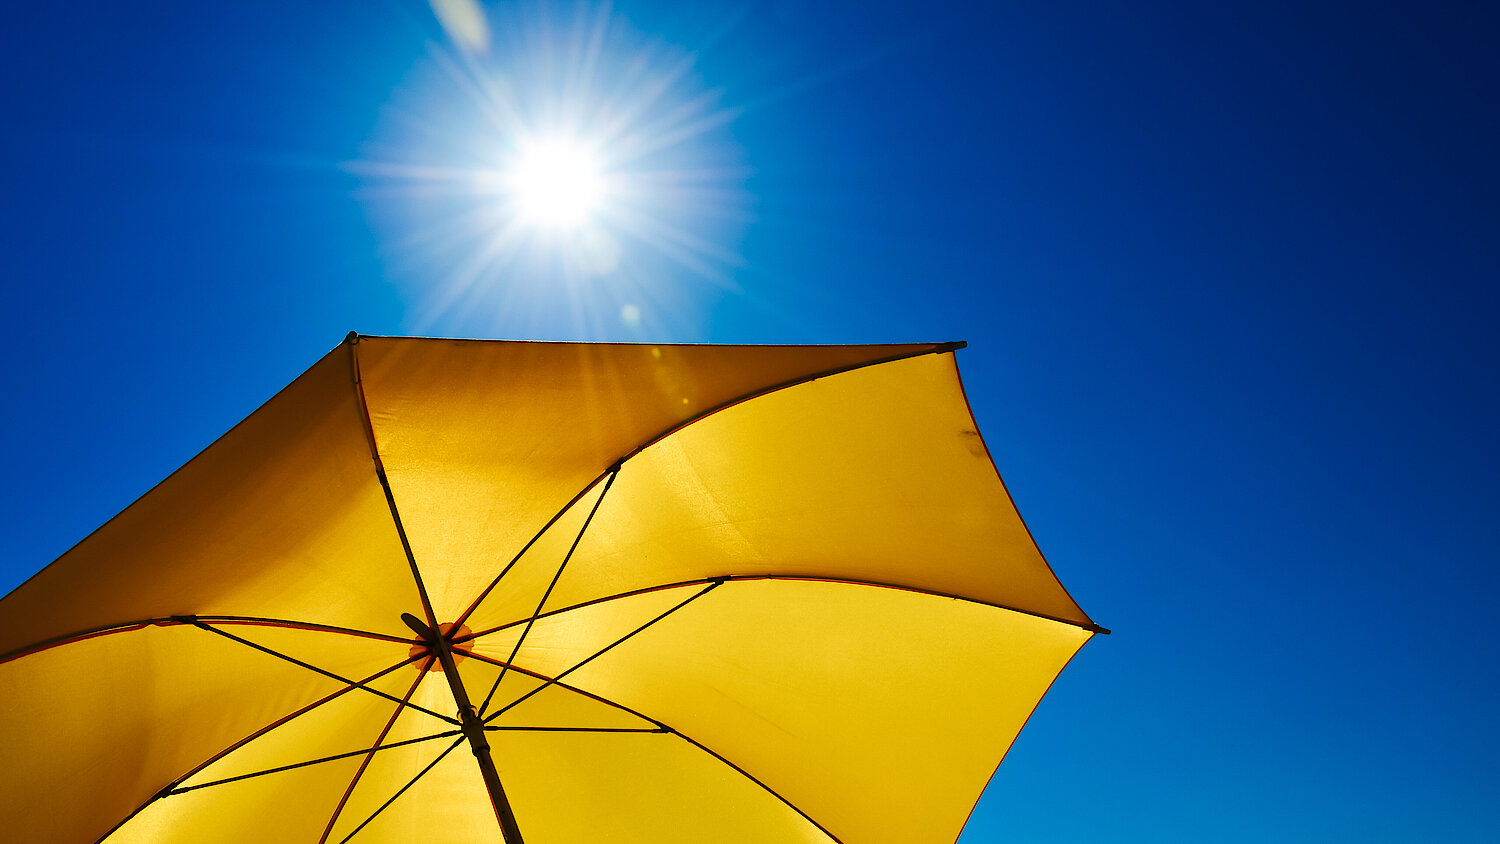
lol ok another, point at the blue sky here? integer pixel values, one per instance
(1227, 272)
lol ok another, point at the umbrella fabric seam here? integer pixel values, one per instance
(168, 621)
(974, 422)
(470, 722)
(385, 483)
(745, 578)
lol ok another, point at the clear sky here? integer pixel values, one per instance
(1227, 272)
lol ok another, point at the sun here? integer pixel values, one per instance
(557, 183)
(567, 168)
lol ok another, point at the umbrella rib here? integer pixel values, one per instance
(521, 729)
(246, 740)
(556, 682)
(326, 673)
(606, 649)
(804, 578)
(255, 621)
(660, 728)
(548, 593)
(168, 621)
(969, 406)
(402, 790)
(333, 758)
(385, 482)
(464, 616)
(751, 777)
(364, 765)
(931, 349)
(437, 642)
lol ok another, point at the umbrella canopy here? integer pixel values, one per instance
(631, 592)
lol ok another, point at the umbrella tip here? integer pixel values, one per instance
(352, 337)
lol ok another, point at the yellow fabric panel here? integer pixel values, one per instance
(556, 643)
(347, 722)
(517, 594)
(292, 806)
(875, 474)
(880, 713)
(95, 728)
(553, 706)
(282, 517)
(634, 787)
(449, 803)
(484, 441)
(649, 788)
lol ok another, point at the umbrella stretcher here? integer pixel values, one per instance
(441, 590)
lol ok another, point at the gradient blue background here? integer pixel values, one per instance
(1227, 272)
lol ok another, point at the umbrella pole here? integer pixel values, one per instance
(473, 728)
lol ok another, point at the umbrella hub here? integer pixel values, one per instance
(439, 643)
(426, 659)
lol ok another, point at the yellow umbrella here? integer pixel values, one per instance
(681, 594)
